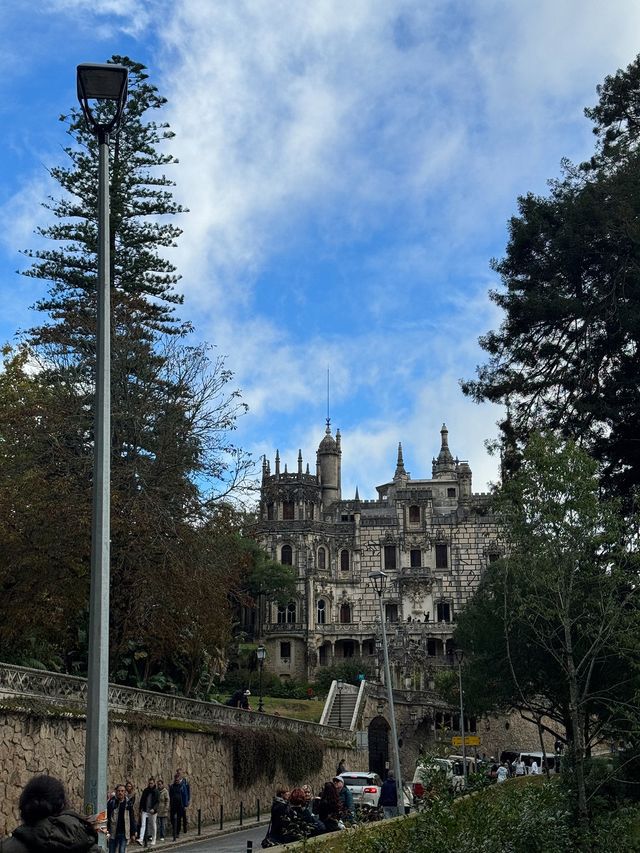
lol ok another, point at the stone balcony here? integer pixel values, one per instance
(288, 629)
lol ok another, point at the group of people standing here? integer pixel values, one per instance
(156, 806)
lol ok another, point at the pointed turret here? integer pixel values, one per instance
(300, 462)
(277, 463)
(329, 453)
(444, 466)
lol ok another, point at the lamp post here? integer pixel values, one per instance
(339, 687)
(100, 83)
(378, 580)
(261, 654)
(459, 656)
(378, 651)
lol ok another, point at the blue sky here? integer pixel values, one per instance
(349, 167)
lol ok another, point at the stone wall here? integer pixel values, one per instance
(42, 730)
(54, 744)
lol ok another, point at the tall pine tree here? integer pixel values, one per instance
(172, 413)
(567, 353)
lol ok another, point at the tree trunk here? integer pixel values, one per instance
(577, 719)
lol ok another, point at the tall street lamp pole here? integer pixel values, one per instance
(261, 654)
(378, 580)
(459, 655)
(98, 82)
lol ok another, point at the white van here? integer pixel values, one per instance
(432, 769)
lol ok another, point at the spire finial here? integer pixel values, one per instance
(328, 430)
(400, 471)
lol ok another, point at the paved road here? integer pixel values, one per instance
(235, 842)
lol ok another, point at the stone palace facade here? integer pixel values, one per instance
(432, 537)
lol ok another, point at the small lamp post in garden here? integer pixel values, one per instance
(459, 656)
(261, 654)
(104, 83)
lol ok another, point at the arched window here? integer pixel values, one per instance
(414, 515)
(291, 612)
(344, 560)
(282, 614)
(345, 614)
(322, 612)
(286, 555)
(288, 510)
(322, 559)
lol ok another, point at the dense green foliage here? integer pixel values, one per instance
(508, 818)
(566, 355)
(178, 562)
(347, 670)
(554, 627)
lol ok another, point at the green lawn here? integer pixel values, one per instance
(309, 710)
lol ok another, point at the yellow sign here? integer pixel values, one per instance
(469, 740)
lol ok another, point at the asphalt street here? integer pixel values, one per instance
(235, 842)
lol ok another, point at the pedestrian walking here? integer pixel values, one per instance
(121, 821)
(179, 800)
(148, 810)
(163, 808)
(47, 822)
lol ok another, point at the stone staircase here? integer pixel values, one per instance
(343, 705)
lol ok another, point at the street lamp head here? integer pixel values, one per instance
(459, 656)
(261, 654)
(378, 580)
(102, 82)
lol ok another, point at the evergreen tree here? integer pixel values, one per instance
(172, 410)
(566, 355)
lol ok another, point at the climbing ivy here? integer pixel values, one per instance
(260, 753)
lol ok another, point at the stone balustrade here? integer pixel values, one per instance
(70, 692)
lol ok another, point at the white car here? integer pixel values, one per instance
(365, 787)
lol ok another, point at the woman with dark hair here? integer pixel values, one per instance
(47, 822)
(306, 823)
(330, 808)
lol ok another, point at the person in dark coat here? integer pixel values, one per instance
(148, 810)
(240, 699)
(48, 824)
(121, 821)
(389, 797)
(179, 800)
(282, 826)
(330, 807)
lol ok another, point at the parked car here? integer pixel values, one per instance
(440, 769)
(365, 787)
